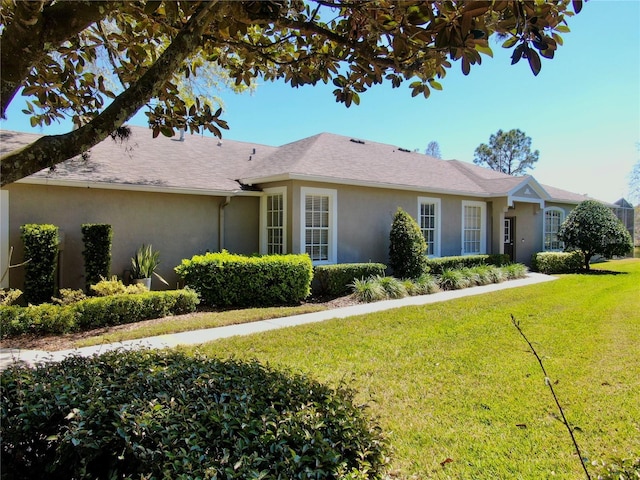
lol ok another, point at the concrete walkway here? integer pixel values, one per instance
(32, 357)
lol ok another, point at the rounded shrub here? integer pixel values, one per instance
(407, 247)
(158, 414)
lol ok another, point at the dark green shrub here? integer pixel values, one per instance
(407, 246)
(41, 249)
(557, 262)
(438, 265)
(224, 279)
(97, 251)
(166, 415)
(593, 229)
(335, 280)
(95, 312)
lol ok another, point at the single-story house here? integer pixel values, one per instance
(331, 196)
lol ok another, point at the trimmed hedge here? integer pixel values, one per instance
(438, 265)
(228, 280)
(166, 415)
(41, 251)
(94, 312)
(557, 262)
(97, 252)
(337, 279)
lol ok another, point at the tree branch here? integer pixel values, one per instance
(36, 29)
(51, 150)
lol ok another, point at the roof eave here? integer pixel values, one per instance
(359, 183)
(135, 187)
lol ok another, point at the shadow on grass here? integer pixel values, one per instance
(598, 271)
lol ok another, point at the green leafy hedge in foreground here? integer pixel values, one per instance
(95, 312)
(166, 415)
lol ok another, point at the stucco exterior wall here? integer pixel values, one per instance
(365, 216)
(179, 226)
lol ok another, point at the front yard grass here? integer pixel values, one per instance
(457, 389)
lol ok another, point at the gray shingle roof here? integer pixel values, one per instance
(196, 164)
(206, 165)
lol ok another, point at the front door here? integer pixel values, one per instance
(509, 236)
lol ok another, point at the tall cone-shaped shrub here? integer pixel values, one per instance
(407, 246)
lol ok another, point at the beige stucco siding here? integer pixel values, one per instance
(365, 216)
(179, 226)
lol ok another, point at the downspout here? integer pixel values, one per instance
(221, 208)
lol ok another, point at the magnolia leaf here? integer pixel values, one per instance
(562, 28)
(435, 85)
(466, 66)
(485, 50)
(577, 5)
(534, 61)
(510, 42)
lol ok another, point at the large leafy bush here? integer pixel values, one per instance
(593, 229)
(41, 251)
(224, 279)
(165, 415)
(407, 246)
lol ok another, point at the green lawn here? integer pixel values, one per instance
(457, 389)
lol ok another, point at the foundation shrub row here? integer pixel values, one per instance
(94, 312)
(335, 280)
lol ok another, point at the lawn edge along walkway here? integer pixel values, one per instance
(33, 357)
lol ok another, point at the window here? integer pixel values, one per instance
(553, 218)
(273, 221)
(318, 224)
(429, 221)
(473, 228)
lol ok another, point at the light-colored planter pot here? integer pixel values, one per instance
(145, 281)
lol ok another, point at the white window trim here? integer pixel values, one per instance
(438, 230)
(563, 215)
(333, 221)
(483, 227)
(263, 217)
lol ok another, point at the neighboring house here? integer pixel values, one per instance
(625, 212)
(328, 195)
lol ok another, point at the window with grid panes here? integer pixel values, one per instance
(553, 218)
(472, 228)
(317, 227)
(275, 224)
(428, 218)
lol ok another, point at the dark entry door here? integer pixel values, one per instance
(509, 237)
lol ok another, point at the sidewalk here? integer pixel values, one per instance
(31, 357)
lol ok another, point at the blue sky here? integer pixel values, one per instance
(582, 111)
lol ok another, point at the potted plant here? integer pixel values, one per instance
(144, 264)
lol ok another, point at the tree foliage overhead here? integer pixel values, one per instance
(507, 152)
(594, 229)
(54, 53)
